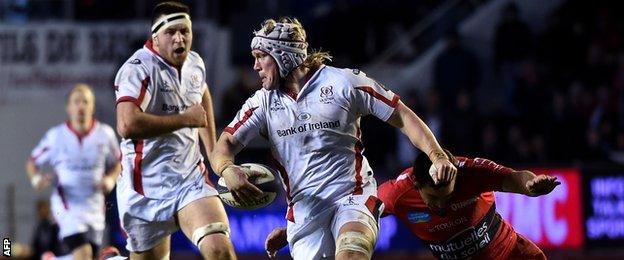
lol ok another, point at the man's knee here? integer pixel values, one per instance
(214, 228)
(355, 242)
(213, 240)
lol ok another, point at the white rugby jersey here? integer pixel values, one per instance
(315, 139)
(155, 166)
(79, 162)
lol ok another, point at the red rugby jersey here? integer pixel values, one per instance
(469, 203)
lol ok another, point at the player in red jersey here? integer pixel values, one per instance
(458, 219)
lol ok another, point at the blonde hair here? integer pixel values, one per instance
(81, 87)
(315, 57)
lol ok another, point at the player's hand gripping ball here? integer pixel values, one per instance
(266, 180)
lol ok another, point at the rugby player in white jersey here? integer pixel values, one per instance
(84, 155)
(310, 114)
(164, 109)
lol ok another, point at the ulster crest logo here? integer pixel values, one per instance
(327, 94)
(196, 80)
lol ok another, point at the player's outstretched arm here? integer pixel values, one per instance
(527, 183)
(235, 177)
(132, 123)
(275, 241)
(421, 136)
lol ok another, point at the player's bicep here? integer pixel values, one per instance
(401, 114)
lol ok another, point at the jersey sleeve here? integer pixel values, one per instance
(370, 97)
(486, 173)
(202, 67)
(113, 157)
(390, 192)
(385, 194)
(204, 78)
(250, 120)
(131, 84)
(42, 154)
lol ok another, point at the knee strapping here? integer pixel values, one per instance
(355, 241)
(213, 228)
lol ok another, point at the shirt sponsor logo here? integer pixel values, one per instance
(464, 244)
(418, 217)
(449, 224)
(460, 205)
(81, 167)
(327, 94)
(173, 108)
(306, 127)
(304, 116)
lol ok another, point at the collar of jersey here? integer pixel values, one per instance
(312, 78)
(79, 135)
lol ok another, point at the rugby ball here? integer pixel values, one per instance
(268, 182)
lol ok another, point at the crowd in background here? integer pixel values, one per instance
(562, 89)
(562, 92)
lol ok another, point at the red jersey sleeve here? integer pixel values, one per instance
(391, 191)
(486, 173)
(385, 194)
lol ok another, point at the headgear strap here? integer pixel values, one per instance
(288, 52)
(169, 20)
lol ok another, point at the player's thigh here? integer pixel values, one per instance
(359, 213)
(201, 212)
(355, 230)
(316, 244)
(355, 240)
(160, 251)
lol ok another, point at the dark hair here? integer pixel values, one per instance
(169, 7)
(421, 170)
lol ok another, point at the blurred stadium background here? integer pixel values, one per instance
(531, 84)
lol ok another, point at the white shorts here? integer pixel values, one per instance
(73, 217)
(316, 238)
(146, 221)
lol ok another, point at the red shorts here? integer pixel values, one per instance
(525, 249)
